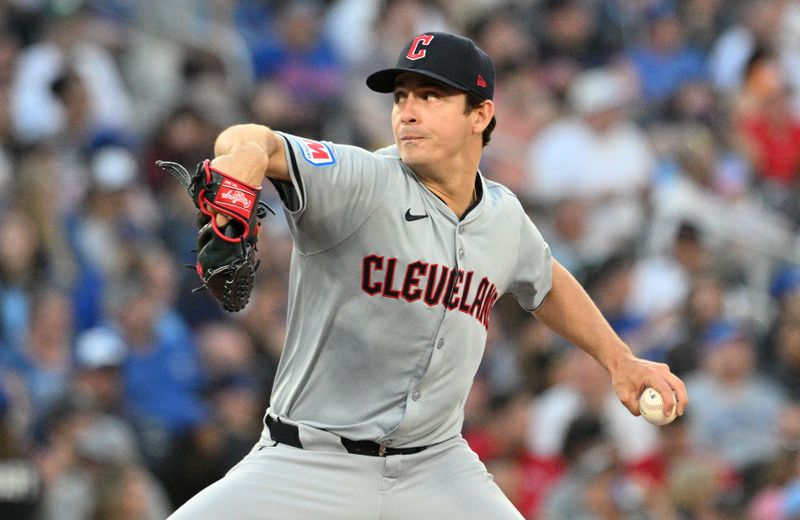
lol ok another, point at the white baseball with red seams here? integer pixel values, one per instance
(651, 406)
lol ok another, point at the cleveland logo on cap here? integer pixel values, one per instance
(448, 58)
(417, 48)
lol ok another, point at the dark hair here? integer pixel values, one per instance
(63, 83)
(474, 101)
(759, 55)
(583, 432)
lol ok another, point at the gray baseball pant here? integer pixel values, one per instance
(322, 481)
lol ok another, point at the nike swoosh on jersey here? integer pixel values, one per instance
(412, 218)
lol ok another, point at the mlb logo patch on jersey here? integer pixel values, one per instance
(317, 153)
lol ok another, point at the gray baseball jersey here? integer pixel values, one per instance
(390, 293)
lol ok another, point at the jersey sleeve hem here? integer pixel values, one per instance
(292, 193)
(541, 302)
(541, 295)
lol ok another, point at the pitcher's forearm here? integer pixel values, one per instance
(569, 311)
(250, 152)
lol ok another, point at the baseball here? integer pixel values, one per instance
(651, 406)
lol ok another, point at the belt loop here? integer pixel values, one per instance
(284, 433)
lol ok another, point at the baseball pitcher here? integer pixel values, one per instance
(399, 256)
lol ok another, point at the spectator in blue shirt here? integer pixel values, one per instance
(665, 62)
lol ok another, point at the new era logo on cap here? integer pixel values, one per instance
(451, 59)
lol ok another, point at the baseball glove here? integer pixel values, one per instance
(226, 257)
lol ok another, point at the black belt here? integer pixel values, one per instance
(289, 434)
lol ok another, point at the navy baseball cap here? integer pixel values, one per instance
(722, 332)
(453, 60)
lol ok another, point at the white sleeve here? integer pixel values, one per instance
(533, 275)
(334, 189)
(35, 111)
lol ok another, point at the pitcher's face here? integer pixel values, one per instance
(429, 121)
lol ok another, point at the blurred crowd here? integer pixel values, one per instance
(655, 143)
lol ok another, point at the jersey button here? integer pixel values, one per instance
(461, 230)
(440, 343)
(415, 395)
(461, 253)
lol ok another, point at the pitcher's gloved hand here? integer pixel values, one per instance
(226, 257)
